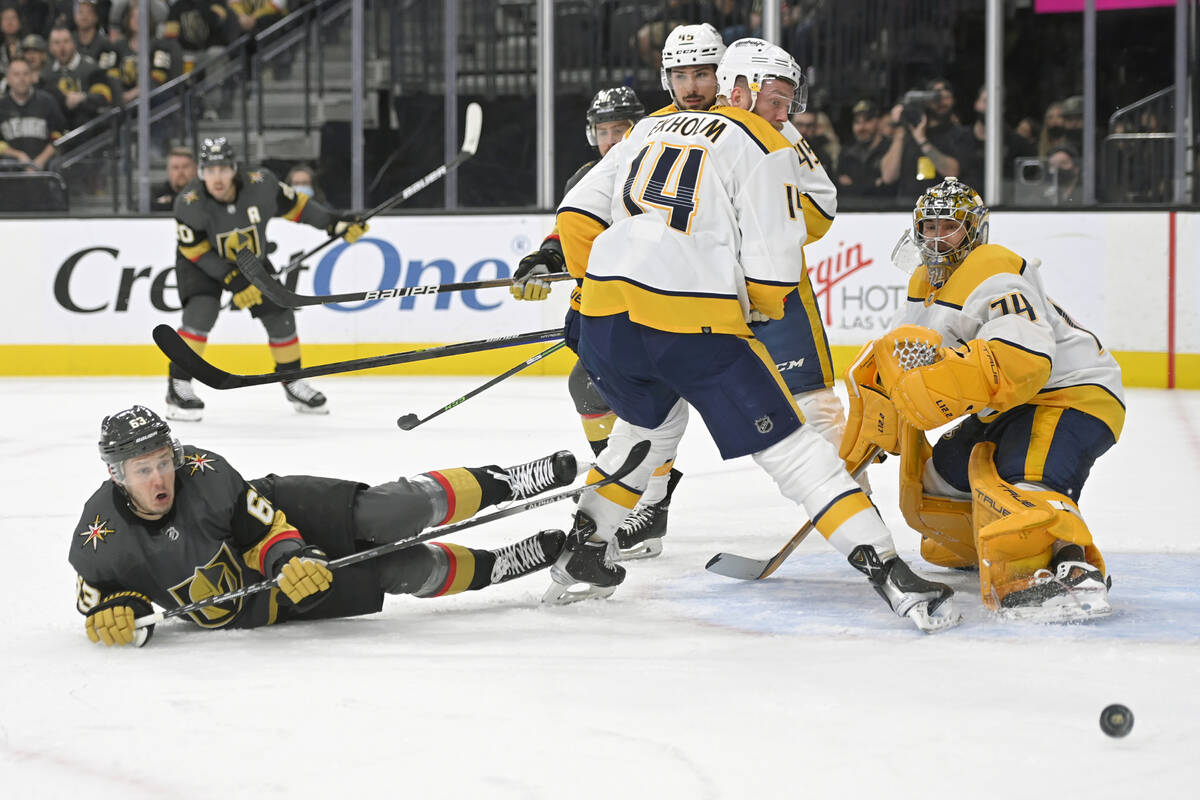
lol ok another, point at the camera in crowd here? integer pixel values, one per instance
(915, 103)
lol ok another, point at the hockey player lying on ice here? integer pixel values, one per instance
(177, 524)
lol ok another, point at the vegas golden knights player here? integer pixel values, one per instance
(176, 524)
(222, 211)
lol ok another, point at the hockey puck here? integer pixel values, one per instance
(408, 422)
(1116, 720)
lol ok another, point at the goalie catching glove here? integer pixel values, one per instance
(348, 226)
(962, 380)
(526, 281)
(112, 620)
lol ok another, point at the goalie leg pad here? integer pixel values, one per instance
(1016, 529)
(948, 534)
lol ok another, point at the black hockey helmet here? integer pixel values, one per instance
(217, 151)
(612, 105)
(131, 433)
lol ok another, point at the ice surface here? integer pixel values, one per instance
(684, 684)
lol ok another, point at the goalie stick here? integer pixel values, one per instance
(637, 454)
(471, 129)
(252, 267)
(175, 348)
(744, 568)
(410, 421)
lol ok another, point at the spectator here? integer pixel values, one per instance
(858, 175)
(82, 86)
(181, 170)
(1072, 111)
(166, 59)
(826, 133)
(117, 27)
(928, 145)
(1054, 130)
(806, 123)
(30, 121)
(255, 16)
(10, 32)
(91, 42)
(1063, 166)
(1028, 127)
(199, 27)
(1013, 145)
(303, 179)
(672, 14)
(886, 125)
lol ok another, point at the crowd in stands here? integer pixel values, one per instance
(64, 62)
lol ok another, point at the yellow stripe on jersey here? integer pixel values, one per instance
(768, 297)
(670, 108)
(576, 232)
(1089, 398)
(759, 129)
(983, 262)
(1045, 421)
(830, 518)
(660, 310)
(816, 221)
(812, 311)
(294, 213)
(614, 492)
(192, 252)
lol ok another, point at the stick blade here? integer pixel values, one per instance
(252, 267)
(472, 128)
(408, 422)
(737, 567)
(175, 348)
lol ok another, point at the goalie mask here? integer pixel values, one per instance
(131, 433)
(619, 104)
(944, 246)
(759, 61)
(689, 46)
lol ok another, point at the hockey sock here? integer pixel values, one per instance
(456, 569)
(286, 353)
(197, 342)
(597, 428)
(468, 489)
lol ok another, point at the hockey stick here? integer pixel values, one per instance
(176, 349)
(252, 267)
(410, 421)
(755, 569)
(471, 130)
(637, 454)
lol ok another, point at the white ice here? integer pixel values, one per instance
(683, 685)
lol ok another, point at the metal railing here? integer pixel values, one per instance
(1138, 154)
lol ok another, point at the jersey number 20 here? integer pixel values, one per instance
(670, 186)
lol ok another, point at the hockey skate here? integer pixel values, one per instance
(527, 556)
(926, 603)
(304, 398)
(182, 402)
(1071, 589)
(642, 532)
(583, 562)
(550, 472)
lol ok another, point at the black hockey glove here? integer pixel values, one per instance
(111, 620)
(527, 283)
(305, 578)
(350, 226)
(245, 294)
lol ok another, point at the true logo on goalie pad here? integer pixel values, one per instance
(403, 291)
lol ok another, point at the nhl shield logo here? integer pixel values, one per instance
(764, 424)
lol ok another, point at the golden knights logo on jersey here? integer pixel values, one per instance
(95, 533)
(228, 244)
(220, 575)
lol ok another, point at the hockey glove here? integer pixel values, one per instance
(527, 283)
(872, 419)
(348, 226)
(305, 578)
(112, 620)
(245, 294)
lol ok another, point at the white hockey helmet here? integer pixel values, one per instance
(689, 45)
(758, 61)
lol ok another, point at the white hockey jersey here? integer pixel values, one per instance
(692, 220)
(994, 295)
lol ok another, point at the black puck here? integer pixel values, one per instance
(1116, 720)
(408, 422)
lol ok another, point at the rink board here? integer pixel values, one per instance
(84, 294)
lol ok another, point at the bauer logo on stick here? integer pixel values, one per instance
(403, 291)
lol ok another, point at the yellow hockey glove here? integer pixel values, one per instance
(527, 283)
(963, 381)
(111, 621)
(349, 226)
(305, 578)
(905, 348)
(872, 419)
(248, 297)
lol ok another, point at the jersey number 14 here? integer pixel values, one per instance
(671, 185)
